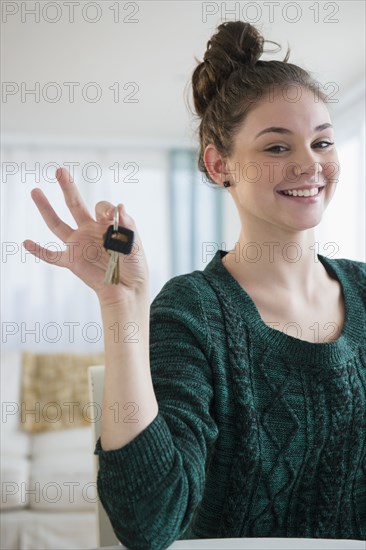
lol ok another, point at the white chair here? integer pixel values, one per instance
(105, 533)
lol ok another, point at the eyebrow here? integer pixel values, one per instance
(287, 131)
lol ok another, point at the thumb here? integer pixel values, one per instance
(104, 211)
(125, 219)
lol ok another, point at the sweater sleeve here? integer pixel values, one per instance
(151, 487)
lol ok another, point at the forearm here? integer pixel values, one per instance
(129, 402)
(151, 488)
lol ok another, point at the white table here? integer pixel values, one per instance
(262, 544)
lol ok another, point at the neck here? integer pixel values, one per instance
(278, 259)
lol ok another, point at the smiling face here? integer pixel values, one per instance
(263, 165)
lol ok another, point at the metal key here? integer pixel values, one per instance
(112, 273)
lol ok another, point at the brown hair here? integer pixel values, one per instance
(231, 78)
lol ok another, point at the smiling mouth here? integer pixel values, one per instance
(290, 194)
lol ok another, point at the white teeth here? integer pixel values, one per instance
(302, 192)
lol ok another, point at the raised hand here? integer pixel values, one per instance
(85, 255)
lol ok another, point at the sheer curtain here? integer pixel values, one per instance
(46, 307)
(196, 209)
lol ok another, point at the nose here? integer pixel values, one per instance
(312, 169)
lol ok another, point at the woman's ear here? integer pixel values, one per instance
(215, 165)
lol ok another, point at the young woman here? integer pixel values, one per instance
(248, 380)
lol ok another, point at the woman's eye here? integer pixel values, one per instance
(328, 143)
(275, 148)
(272, 149)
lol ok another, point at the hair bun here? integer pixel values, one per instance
(240, 42)
(235, 44)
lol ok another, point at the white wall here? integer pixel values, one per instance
(153, 44)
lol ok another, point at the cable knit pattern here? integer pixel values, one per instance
(259, 434)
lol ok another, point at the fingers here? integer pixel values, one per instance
(125, 219)
(49, 256)
(73, 198)
(101, 209)
(104, 211)
(57, 226)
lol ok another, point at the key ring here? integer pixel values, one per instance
(115, 226)
(118, 238)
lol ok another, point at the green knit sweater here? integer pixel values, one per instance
(259, 433)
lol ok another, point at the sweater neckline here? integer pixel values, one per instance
(338, 350)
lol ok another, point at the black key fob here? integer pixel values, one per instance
(120, 240)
